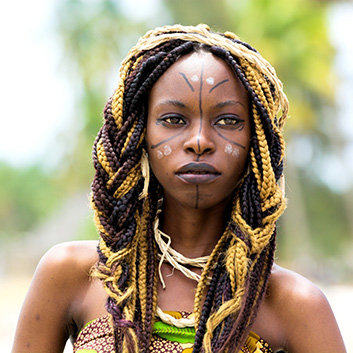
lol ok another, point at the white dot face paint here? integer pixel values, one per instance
(233, 151)
(228, 149)
(210, 80)
(159, 154)
(194, 78)
(167, 150)
(236, 152)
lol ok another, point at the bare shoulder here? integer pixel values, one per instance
(292, 288)
(52, 301)
(77, 255)
(67, 264)
(304, 312)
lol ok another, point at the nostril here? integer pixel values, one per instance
(191, 149)
(200, 151)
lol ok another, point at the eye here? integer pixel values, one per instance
(230, 121)
(171, 120)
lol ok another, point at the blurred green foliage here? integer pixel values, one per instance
(292, 35)
(29, 196)
(328, 223)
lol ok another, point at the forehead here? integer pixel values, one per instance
(199, 72)
(197, 63)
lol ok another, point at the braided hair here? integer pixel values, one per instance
(125, 198)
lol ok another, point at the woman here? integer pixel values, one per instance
(186, 195)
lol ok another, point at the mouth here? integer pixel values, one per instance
(197, 173)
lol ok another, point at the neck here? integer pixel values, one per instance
(194, 232)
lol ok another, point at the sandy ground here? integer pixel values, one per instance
(13, 291)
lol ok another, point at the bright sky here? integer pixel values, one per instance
(338, 170)
(36, 100)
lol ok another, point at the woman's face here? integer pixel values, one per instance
(198, 131)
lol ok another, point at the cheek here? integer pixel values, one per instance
(167, 150)
(232, 150)
(161, 151)
(159, 154)
(237, 159)
(159, 159)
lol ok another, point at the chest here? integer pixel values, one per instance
(178, 295)
(179, 291)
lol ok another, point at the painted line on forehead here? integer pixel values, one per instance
(231, 141)
(187, 81)
(200, 109)
(164, 141)
(218, 84)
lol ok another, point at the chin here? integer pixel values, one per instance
(209, 203)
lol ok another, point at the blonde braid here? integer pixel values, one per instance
(143, 263)
(131, 180)
(118, 97)
(103, 159)
(202, 284)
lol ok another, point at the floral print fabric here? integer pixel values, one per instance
(97, 337)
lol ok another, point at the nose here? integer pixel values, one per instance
(199, 139)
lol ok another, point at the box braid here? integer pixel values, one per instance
(241, 262)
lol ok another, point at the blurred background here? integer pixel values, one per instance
(59, 65)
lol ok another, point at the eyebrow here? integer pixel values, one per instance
(180, 104)
(173, 102)
(227, 103)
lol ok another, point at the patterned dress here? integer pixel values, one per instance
(97, 337)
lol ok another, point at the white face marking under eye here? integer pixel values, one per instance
(210, 80)
(159, 154)
(194, 78)
(232, 150)
(167, 150)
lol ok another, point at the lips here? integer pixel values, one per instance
(197, 173)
